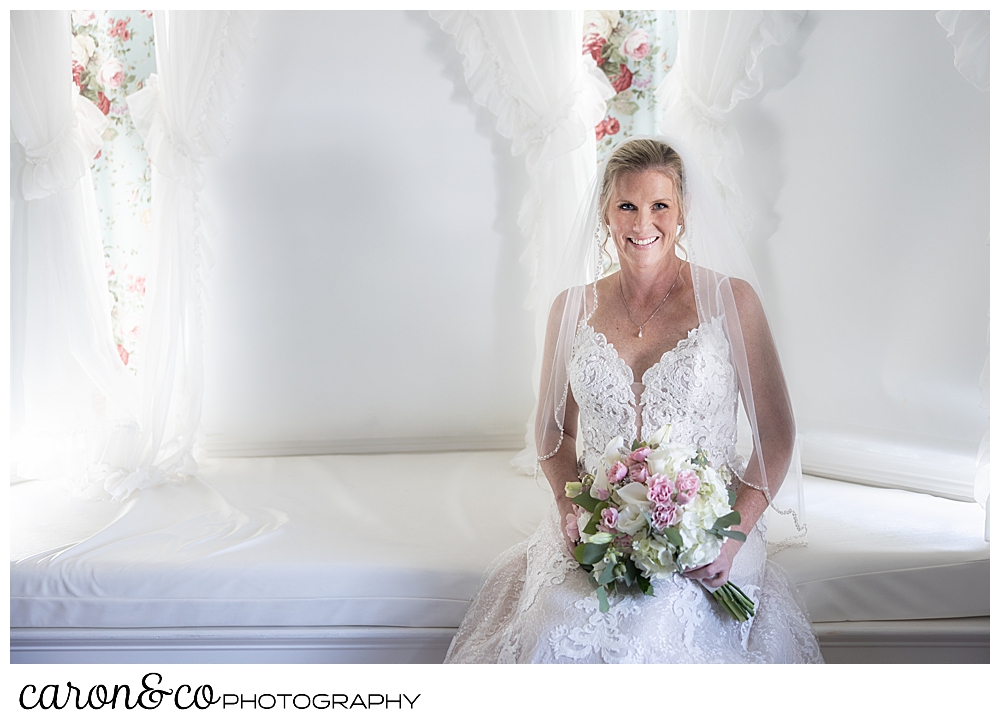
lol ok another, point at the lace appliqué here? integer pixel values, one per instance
(537, 606)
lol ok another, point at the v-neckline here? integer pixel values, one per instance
(682, 343)
(638, 402)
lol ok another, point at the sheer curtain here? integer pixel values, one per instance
(76, 410)
(67, 385)
(969, 33)
(717, 67)
(180, 114)
(527, 67)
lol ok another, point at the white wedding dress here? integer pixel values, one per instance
(537, 606)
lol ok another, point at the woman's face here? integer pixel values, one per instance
(643, 216)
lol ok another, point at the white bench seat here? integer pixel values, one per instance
(401, 541)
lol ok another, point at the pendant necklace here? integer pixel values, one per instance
(628, 311)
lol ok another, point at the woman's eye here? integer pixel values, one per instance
(626, 207)
(659, 206)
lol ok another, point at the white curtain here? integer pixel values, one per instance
(528, 68)
(717, 67)
(969, 33)
(180, 114)
(67, 385)
(76, 411)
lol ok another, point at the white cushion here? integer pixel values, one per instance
(403, 540)
(877, 554)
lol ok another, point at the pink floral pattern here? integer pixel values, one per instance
(113, 56)
(635, 49)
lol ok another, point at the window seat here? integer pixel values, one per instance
(318, 554)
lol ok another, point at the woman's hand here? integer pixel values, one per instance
(716, 573)
(565, 507)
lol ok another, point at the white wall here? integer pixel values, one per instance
(367, 287)
(867, 164)
(366, 282)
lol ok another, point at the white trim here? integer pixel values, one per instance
(285, 644)
(955, 640)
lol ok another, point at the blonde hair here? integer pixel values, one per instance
(643, 154)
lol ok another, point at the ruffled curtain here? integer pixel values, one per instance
(181, 116)
(969, 33)
(717, 67)
(528, 69)
(68, 386)
(76, 411)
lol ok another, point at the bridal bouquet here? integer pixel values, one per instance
(652, 509)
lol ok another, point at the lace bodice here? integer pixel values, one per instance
(692, 386)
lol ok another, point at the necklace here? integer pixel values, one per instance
(629, 312)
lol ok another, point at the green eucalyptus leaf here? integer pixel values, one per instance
(734, 534)
(727, 520)
(673, 536)
(602, 598)
(592, 553)
(585, 501)
(607, 576)
(732, 498)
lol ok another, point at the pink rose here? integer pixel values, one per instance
(572, 529)
(609, 517)
(664, 515)
(617, 472)
(592, 43)
(611, 126)
(147, 13)
(638, 472)
(123, 353)
(687, 486)
(622, 81)
(103, 103)
(77, 72)
(119, 29)
(660, 489)
(636, 44)
(137, 284)
(600, 493)
(112, 73)
(638, 456)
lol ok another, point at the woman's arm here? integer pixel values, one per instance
(775, 427)
(559, 468)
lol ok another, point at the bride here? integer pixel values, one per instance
(663, 339)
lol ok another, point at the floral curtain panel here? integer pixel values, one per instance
(635, 49)
(113, 56)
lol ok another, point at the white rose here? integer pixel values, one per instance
(636, 44)
(83, 17)
(112, 73)
(601, 22)
(631, 520)
(83, 47)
